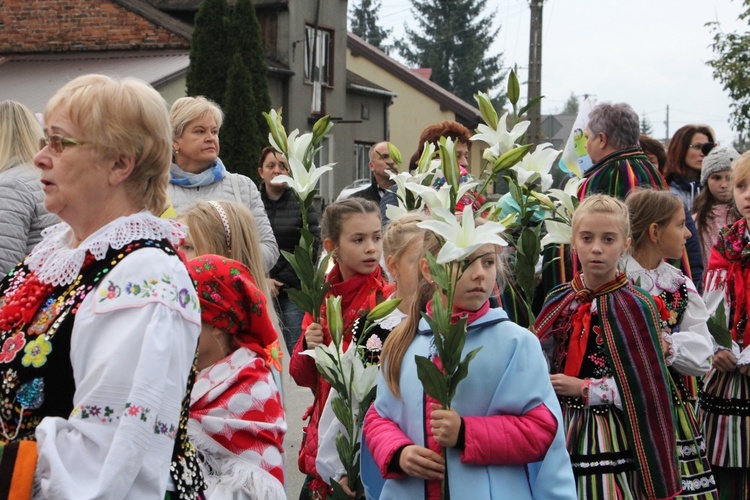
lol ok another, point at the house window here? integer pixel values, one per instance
(321, 70)
(362, 160)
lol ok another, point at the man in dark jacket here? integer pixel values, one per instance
(380, 165)
(285, 217)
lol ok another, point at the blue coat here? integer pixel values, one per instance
(508, 376)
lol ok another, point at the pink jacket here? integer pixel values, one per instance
(493, 440)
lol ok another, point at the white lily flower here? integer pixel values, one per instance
(365, 378)
(426, 162)
(326, 365)
(557, 232)
(394, 212)
(448, 160)
(301, 180)
(500, 140)
(567, 195)
(462, 239)
(537, 165)
(298, 145)
(438, 199)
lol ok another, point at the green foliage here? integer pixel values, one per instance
(732, 69)
(717, 325)
(247, 38)
(453, 40)
(364, 23)
(571, 105)
(238, 149)
(646, 128)
(209, 59)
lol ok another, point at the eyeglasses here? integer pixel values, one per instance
(58, 143)
(703, 147)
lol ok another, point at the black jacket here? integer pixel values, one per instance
(286, 221)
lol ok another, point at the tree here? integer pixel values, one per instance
(454, 42)
(732, 69)
(245, 30)
(571, 105)
(364, 21)
(238, 151)
(646, 128)
(209, 59)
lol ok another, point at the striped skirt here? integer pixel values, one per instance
(603, 465)
(724, 412)
(698, 482)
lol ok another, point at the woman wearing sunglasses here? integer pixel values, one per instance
(99, 324)
(22, 212)
(689, 145)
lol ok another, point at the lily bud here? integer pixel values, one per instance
(334, 318)
(321, 129)
(383, 309)
(395, 154)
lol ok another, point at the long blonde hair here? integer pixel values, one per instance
(210, 236)
(19, 135)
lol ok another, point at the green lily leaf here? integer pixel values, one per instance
(717, 325)
(300, 299)
(529, 105)
(432, 379)
(461, 372)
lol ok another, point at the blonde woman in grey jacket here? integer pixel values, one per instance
(197, 173)
(22, 212)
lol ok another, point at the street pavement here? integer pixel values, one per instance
(296, 401)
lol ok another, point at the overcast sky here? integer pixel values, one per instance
(648, 53)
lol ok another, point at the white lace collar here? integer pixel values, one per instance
(392, 320)
(56, 262)
(664, 277)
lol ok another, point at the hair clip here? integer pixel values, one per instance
(224, 221)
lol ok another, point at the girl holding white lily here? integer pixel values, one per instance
(351, 231)
(502, 432)
(402, 247)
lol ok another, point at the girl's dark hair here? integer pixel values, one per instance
(678, 150)
(336, 213)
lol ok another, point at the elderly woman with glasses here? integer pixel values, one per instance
(198, 174)
(99, 324)
(687, 148)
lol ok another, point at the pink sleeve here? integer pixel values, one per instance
(384, 438)
(302, 367)
(509, 439)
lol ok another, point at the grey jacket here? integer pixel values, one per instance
(182, 198)
(22, 214)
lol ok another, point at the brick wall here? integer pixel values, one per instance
(78, 25)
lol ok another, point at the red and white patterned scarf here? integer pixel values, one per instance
(237, 422)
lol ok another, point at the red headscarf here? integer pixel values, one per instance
(231, 301)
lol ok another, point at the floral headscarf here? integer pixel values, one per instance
(231, 301)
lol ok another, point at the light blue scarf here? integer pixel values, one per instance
(214, 173)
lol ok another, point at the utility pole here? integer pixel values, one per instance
(666, 124)
(535, 71)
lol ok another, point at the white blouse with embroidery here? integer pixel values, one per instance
(692, 342)
(132, 348)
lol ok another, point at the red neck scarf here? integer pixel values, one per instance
(581, 320)
(359, 294)
(732, 253)
(471, 316)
